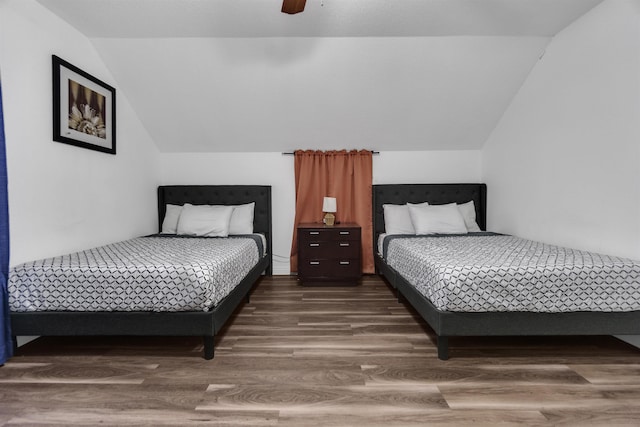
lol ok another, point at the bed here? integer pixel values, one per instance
(474, 322)
(199, 319)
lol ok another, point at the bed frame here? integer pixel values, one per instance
(192, 323)
(451, 324)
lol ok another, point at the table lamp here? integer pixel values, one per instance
(329, 208)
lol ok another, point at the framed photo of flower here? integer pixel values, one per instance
(84, 109)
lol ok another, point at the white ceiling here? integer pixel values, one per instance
(321, 18)
(239, 75)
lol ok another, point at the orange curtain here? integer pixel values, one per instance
(345, 175)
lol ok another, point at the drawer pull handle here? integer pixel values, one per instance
(345, 233)
(315, 233)
(313, 245)
(314, 262)
(344, 263)
(344, 244)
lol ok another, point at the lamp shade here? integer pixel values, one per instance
(329, 204)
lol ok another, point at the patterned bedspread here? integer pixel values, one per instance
(141, 274)
(506, 273)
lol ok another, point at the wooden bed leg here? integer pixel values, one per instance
(443, 347)
(14, 340)
(248, 297)
(208, 347)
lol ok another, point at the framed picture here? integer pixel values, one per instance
(84, 109)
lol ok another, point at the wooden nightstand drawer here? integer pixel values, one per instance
(329, 254)
(331, 249)
(330, 269)
(327, 234)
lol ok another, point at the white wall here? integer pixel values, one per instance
(64, 198)
(419, 167)
(276, 169)
(562, 166)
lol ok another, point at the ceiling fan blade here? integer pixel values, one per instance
(293, 6)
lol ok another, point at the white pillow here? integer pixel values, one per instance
(431, 219)
(171, 216)
(205, 220)
(397, 219)
(242, 219)
(468, 212)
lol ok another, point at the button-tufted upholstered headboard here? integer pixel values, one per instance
(437, 194)
(222, 195)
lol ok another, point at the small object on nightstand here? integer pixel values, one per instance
(329, 207)
(329, 255)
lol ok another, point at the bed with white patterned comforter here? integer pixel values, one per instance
(154, 273)
(497, 273)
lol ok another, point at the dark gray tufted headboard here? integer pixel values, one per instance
(436, 194)
(221, 195)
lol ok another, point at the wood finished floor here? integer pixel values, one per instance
(303, 356)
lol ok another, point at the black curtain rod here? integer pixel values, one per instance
(292, 153)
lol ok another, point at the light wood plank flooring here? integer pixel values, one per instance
(313, 356)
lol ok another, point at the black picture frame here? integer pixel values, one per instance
(84, 108)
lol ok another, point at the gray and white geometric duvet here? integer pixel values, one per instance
(141, 274)
(507, 273)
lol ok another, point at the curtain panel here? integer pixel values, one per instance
(345, 175)
(6, 342)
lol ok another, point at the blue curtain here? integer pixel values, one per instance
(6, 342)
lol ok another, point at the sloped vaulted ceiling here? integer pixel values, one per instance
(239, 75)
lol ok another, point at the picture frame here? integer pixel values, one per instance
(84, 108)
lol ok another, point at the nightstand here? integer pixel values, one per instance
(329, 254)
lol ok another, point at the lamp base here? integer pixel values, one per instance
(329, 219)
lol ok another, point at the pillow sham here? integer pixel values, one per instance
(171, 217)
(242, 219)
(205, 220)
(468, 212)
(432, 219)
(397, 219)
